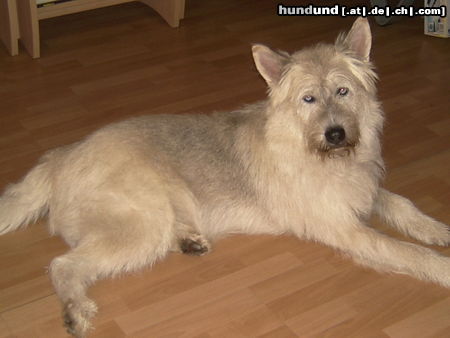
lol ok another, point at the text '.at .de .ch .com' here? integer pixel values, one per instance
(343, 11)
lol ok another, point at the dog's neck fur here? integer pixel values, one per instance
(280, 175)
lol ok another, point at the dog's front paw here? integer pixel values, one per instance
(77, 316)
(435, 233)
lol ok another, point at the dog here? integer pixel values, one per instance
(306, 161)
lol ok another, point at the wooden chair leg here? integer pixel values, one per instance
(181, 7)
(29, 26)
(9, 27)
(171, 10)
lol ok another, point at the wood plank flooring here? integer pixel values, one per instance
(113, 63)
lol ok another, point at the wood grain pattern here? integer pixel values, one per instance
(113, 63)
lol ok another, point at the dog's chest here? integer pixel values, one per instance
(317, 194)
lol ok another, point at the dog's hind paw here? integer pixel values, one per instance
(77, 317)
(195, 245)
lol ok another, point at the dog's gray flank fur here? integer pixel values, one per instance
(135, 190)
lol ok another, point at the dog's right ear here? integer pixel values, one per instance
(269, 63)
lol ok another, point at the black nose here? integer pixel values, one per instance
(335, 135)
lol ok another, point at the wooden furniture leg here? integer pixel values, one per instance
(9, 27)
(29, 15)
(29, 26)
(170, 10)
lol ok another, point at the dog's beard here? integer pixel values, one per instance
(339, 152)
(326, 150)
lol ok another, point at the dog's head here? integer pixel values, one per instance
(325, 95)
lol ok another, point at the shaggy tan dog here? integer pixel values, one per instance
(306, 161)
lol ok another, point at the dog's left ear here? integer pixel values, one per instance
(269, 63)
(359, 39)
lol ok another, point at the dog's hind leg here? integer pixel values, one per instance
(122, 245)
(71, 274)
(373, 249)
(401, 214)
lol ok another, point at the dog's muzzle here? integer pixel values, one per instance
(337, 143)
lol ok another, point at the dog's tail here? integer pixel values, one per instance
(26, 201)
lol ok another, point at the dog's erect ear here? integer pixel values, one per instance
(269, 63)
(359, 39)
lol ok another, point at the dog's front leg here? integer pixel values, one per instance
(401, 214)
(378, 251)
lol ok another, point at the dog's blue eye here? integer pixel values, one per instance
(342, 91)
(309, 98)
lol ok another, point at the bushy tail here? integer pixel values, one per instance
(26, 201)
